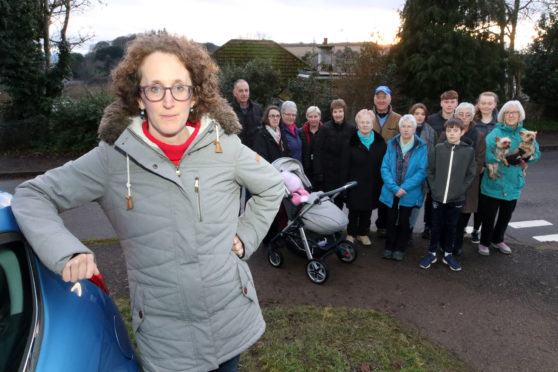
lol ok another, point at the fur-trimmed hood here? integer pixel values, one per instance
(116, 119)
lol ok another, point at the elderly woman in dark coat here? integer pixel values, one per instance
(362, 161)
(331, 140)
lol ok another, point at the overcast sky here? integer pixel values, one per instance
(217, 21)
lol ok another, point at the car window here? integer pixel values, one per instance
(15, 305)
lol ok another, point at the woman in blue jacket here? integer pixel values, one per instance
(500, 196)
(292, 132)
(403, 171)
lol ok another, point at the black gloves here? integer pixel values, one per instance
(513, 159)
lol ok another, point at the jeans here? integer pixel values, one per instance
(397, 226)
(444, 222)
(359, 222)
(230, 365)
(489, 207)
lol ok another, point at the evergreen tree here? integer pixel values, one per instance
(442, 48)
(541, 78)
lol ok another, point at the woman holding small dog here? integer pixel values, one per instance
(500, 195)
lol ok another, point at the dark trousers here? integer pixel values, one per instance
(230, 365)
(381, 221)
(489, 207)
(428, 210)
(444, 222)
(477, 217)
(397, 226)
(460, 230)
(359, 222)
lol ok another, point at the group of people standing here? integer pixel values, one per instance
(404, 162)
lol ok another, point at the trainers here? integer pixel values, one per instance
(475, 239)
(364, 239)
(350, 238)
(426, 233)
(387, 254)
(483, 250)
(428, 260)
(502, 247)
(451, 262)
(398, 256)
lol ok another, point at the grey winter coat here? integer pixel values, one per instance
(193, 300)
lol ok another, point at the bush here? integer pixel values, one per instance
(23, 134)
(74, 123)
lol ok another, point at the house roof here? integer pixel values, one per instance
(238, 52)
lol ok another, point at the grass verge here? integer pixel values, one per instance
(310, 338)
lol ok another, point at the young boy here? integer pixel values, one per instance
(451, 169)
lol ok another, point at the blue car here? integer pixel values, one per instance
(47, 324)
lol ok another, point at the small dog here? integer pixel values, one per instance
(500, 151)
(526, 148)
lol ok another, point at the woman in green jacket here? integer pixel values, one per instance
(500, 196)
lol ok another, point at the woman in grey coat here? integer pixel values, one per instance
(168, 180)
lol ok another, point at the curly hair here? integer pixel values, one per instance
(203, 71)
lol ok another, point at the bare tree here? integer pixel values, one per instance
(57, 12)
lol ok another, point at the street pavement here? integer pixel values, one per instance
(534, 222)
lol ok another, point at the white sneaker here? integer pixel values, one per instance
(350, 238)
(483, 250)
(502, 247)
(364, 239)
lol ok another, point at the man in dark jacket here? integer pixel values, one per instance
(448, 103)
(249, 112)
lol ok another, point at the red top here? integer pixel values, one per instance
(173, 152)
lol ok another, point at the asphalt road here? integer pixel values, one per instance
(539, 201)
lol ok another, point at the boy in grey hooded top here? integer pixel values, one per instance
(451, 169)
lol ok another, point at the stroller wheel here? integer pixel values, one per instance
(317, 271)
(346, 252)
(275, 258)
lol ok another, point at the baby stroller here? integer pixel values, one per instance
(320, 216)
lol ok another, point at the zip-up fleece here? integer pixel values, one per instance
(193, 300)
(451, 169)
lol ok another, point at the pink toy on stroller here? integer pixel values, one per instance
(317, 213)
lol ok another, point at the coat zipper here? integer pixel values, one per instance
(197, 190)
(449, 175)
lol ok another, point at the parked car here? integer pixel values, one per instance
(47, 324)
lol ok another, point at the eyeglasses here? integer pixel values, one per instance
(511, 113)
(290, 115)
(156, 92)
(464, 115)
(275, 116)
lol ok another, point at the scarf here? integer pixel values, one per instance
(276, 134)
(366, 141)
